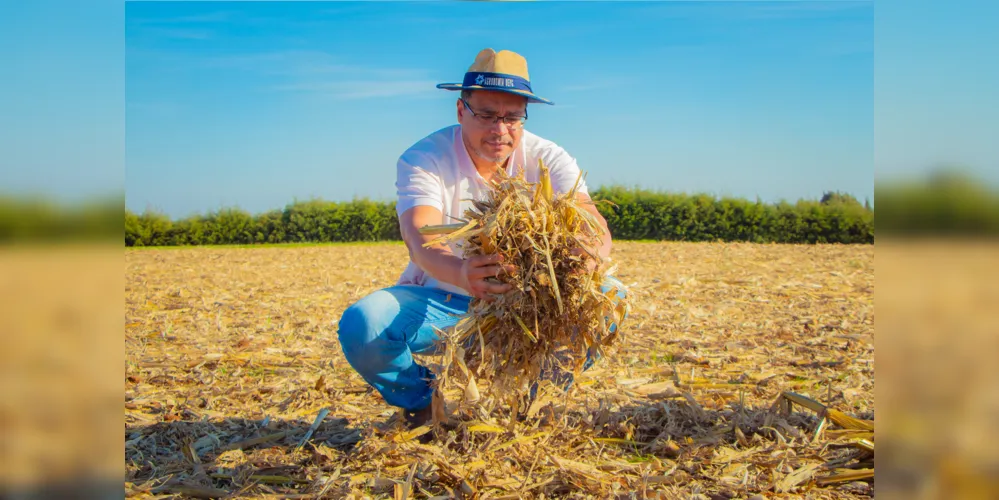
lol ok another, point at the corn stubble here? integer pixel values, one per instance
(556, 314)
(713, 394)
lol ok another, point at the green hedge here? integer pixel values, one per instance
(310, 221)
(636, 214)
(35, 218)
(631, 213)
(946, 203)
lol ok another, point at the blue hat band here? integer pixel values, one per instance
(496, 80)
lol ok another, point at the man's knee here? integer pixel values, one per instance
(365, 321)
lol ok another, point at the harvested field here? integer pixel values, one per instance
(235, 383)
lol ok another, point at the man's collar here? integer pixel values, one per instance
(465, 163)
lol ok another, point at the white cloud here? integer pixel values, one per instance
(158, 108)
(304, 64)
(363, 89)
(796, 9)
(748, 9)
(211, 17)
(596, 84)
(181, 33)
(319, 72)
(306, 71)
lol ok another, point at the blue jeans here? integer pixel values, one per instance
(381, 332)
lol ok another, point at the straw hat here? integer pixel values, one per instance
(503, 71)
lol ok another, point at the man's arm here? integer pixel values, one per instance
(587, 204)
(565, 174)
(602, 247)
(438, 260)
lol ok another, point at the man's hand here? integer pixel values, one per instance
(475, 274)
(587, 255)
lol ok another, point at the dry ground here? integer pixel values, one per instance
(231, 354)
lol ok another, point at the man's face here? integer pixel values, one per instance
(488, 138)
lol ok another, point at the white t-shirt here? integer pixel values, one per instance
(437, 171)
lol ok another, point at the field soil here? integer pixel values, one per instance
(232, 354)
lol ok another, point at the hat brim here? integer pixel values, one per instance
(530, 97)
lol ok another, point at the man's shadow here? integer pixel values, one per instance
(216, 457)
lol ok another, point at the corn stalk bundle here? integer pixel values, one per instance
(556, 313)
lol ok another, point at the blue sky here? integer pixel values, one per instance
(62, 112)
(936, 98)
(256, 104)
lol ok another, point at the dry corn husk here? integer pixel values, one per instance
(221, 351)
(556, 313)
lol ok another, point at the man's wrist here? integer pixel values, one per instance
(446, 267)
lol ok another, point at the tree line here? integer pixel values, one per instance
(308, 221)
(632, 214)
(28, 218)
(947, 202)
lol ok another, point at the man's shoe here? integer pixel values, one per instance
(418, 418)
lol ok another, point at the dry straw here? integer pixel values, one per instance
(745, 371)
(557, 314)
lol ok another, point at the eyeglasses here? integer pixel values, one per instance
(514, 122)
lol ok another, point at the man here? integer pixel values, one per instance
(435, 179)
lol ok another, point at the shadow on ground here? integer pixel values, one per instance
(211, 459)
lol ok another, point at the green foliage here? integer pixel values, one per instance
(647, 215)
(323, 221)
(312, 221)
(26, 218)
(838, 198)
(632, 214)
(948, 203)
(149, 229)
